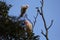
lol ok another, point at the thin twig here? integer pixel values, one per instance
(35, 19)
(50, 24)
(43, 33)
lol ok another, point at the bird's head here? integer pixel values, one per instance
(25, 6)
(26, 22)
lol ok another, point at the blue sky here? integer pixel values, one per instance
(51, 11)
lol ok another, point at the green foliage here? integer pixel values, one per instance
(4, 8)
(10, 27)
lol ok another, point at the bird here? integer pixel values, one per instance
(23, 10)
(28, 27)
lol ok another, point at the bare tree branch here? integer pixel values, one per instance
(43, 33)
(35, 18)
(46, 35)
(45, 26)
(42, 2)
(50, 24)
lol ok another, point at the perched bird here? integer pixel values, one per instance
(23, 10)
(28, 27)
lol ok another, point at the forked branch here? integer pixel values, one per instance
(40, 11)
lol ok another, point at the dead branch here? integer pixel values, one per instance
(35, 18)
(51, 24)
(45, 26)
(43, 33)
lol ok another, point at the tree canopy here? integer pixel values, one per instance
(10, 27)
